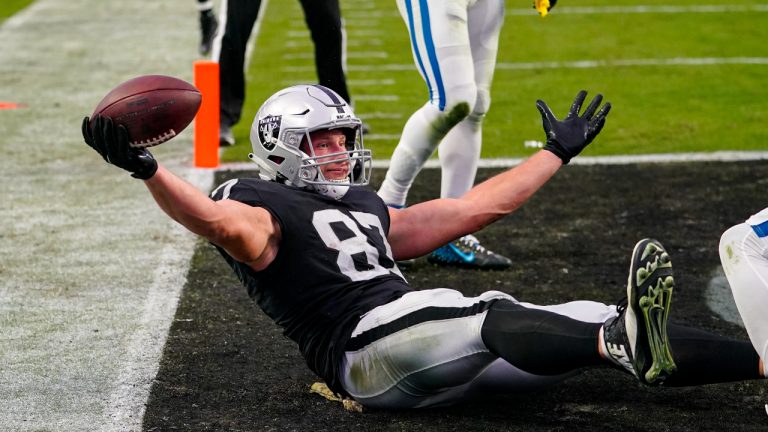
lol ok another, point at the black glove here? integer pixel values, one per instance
(567, 137)
(112, 144)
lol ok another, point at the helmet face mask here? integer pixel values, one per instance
(283, 148)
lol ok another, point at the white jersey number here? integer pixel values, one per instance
(356, 245)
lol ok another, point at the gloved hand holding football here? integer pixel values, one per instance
(112, 143)
(566, 138)
(142, 112)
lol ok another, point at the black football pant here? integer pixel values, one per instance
(323, 18)
(240, 18)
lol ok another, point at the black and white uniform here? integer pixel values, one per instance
(335, 289)
(333, 265)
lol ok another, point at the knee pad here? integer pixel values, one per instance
(459, 102)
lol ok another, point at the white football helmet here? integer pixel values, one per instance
(287, 118)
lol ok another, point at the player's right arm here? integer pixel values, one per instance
(249, 234)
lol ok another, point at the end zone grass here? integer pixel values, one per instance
(682, 78)
(10, 7)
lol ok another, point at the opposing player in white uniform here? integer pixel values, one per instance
(744, 255)
(454, 45)
(316, 250)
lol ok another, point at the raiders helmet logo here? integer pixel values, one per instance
(269, 129)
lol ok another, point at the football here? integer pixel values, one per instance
(153, 108)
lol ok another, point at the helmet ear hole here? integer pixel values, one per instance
(277, 160)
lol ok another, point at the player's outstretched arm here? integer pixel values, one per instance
(423, 227)
(247, 233)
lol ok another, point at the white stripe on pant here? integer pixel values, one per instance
(440, 362)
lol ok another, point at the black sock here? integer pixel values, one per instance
(705, 358)
(538, 341)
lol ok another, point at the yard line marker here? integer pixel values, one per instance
(362, 42)
(645, 9)
(368, 54)
(719, 156)
(371, 82)
(381, 115)
(297, 44)
(381, 137)
(298, 34)
(299, 56)
(583, 64)
(389, 98)
(354, 15)
(678, 61)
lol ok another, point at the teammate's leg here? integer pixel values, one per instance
(744, 255)
(208, 25)
(441, 50)
(323, 18)
(229, 50)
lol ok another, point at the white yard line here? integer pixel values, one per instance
(90, 268)
(581, 64)
(721, 156)
(355, 13)
(648, 9)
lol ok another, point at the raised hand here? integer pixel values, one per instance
(566, 138)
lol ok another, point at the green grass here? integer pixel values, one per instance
(656, 109)
(10, 7)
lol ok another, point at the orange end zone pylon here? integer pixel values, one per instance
(207, 120)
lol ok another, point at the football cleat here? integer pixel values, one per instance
(226, 138)
(636, 340)
(467, 252)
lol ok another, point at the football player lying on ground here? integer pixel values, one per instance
(317, 251)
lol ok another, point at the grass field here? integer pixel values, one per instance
(682, 77)
(10, 7)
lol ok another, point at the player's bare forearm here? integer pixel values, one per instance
(184, 203)
(504, 193)
(421, 228)
(248, 234)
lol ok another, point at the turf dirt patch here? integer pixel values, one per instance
(227, 367)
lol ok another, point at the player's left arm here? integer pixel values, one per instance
(421, 228)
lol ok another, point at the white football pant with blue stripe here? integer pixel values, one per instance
(744, 255)
(454, 46)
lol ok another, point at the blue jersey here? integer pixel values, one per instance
(333, 265)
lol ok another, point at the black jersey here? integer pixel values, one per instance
(333, 265)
